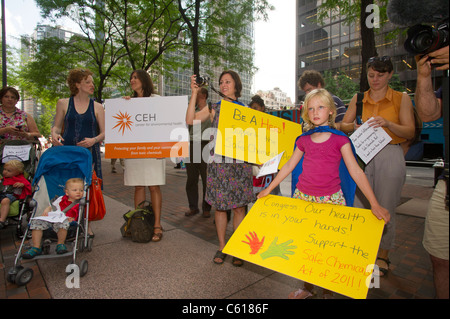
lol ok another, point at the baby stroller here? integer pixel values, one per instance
(56, 166)
(28, 153)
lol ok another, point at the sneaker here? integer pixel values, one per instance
(31, 253)
(61, 249)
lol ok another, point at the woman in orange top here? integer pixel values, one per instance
(393, 111)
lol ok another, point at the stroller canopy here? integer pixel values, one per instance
(65, 162)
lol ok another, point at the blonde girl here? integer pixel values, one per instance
(321, 150)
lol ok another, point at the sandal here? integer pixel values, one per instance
(61, 249)
(31, 253)
(300, 294)
(237, 262)
(157, 236)
(219, 255)
(382, 271)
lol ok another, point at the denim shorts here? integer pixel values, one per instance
(11, 197)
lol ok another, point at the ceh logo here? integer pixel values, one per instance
(123, 122)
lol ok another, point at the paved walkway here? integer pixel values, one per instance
(180, 266)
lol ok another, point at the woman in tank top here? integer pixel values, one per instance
(79, 120)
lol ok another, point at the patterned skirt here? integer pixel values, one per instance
(229, 185)
(336, 198)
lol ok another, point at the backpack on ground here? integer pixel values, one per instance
(139, 223)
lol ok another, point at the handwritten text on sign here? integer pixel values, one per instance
(252, 136)
(369, 141)
(327, 245)
(146, 127)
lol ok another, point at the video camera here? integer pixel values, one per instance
(423, 39)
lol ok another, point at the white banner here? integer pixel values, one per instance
(146, 127)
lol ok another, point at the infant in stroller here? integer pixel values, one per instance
(14, 186)
(68, 205)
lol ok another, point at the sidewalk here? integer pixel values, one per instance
(180, 266)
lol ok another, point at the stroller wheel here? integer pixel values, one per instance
(12, 273)
(20, 276)
(89, 243)
(81, 245)
(83, 267)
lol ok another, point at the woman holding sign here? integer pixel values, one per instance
(146, 172)
(320, 151)
(393, 111)
(229, 184)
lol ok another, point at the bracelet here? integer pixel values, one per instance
(95, 138)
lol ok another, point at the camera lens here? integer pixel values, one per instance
(202, 81)
(199, 80)
(423, 39)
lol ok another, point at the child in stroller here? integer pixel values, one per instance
(67, 204)
(56, 166)
(14, 186)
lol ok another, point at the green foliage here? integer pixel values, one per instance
(340, 85)
(345, 88)
(118, 36)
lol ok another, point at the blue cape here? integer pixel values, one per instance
(348, 185)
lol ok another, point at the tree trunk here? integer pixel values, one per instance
(368, 48)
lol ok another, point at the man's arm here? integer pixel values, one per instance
(428, 106)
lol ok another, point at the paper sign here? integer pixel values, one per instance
(369, 141)
(253, 136)
(146, 127)
(16, 152)
(271, 166)
(53, 217)
(327, 245)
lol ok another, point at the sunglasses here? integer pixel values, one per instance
(376, 58)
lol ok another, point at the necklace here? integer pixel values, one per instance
(8, 112)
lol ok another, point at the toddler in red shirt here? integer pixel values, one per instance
(74, 190)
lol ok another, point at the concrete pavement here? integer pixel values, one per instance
(180, 266)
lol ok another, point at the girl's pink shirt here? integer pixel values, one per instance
(320, 174)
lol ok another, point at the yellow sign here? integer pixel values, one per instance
(253, 136)
(331, 246)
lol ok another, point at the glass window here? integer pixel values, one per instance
(335, 33)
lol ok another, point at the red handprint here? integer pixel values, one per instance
(254, 243)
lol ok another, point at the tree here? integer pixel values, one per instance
(364, 12)
(217, 30)
(126, 34)
(340, 85)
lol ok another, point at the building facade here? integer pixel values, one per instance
(336, 46)
(276, 99)
(178, 82)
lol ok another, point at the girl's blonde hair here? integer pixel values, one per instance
(327, 99)
(17, 165)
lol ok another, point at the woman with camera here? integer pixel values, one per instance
(15, 124)
(393, 111)
(229, 185)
